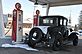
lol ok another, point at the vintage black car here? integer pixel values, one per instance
(53, 31)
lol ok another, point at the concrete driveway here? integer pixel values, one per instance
(69, 49)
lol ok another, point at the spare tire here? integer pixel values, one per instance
(35, 36)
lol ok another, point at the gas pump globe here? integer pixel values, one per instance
(17, 23)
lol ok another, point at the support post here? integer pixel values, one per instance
(2, 32)
(47, 11)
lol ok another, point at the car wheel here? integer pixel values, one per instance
(75, 41)
(58, 44)
(35, 36)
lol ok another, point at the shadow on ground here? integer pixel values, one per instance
(68, 49)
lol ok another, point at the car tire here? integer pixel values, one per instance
(33, 40)
(75, 41)
(57, 45)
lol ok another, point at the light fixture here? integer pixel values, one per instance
(36, 2)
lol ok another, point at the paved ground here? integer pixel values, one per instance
(69, 49)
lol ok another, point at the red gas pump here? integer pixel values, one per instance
(14, 25)
(36, 18)
(17, 23)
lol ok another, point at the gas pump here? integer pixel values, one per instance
(36, 18)
(17, 23)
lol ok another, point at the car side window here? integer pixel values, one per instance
(61, 22)
(64, 22)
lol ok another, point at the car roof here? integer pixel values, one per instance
(58, 16)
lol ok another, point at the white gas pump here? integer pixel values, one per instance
(17, 24)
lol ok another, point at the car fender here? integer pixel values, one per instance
(73, 35)
(42, 28)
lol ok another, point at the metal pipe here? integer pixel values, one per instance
(47, 11)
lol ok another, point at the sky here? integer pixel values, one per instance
(28, 10)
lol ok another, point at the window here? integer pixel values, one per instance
(47, 21)
(44, 20)
(61, 22)
(64, 22)
(51, 21)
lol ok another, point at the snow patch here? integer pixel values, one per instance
(24, 46)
